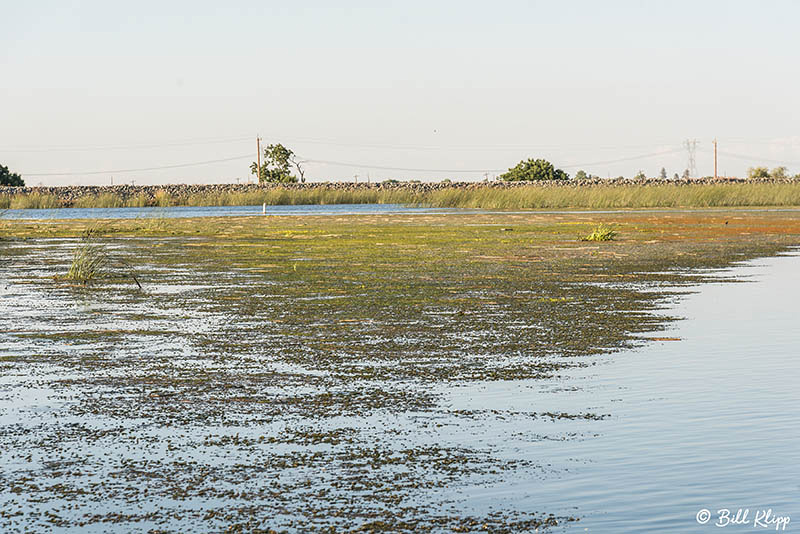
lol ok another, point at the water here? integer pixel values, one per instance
(707, 422)
(218, 211)
(308, 209)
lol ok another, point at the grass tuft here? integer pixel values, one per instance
(601, 233)
(88, 263)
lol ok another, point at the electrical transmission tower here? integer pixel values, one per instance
(691, 147)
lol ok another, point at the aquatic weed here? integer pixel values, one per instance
(601, 233)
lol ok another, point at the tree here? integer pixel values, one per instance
(757, 172)
(676, 177)
(530, 170)
(779, 173)
(640, 175)
(299, 166)
(686, 174)
(580, 175)
(10, 178)
(663, 173)
(278, 161)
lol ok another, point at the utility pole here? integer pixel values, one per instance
(258, 156)
(715, 158)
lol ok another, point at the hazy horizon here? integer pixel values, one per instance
(419, 91)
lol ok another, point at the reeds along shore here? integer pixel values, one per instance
(738, 194)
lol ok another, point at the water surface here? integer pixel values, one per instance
(217, 211)
(709, 421)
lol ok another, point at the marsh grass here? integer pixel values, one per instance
(156, 221)
(614, 197)
(88, 263)
(601, 233)
(105, 200)
(292, 197)
(525, 197)
(92, 261)
(29, 201)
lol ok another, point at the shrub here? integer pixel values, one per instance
(534, 170)
(757, 172)
(779, 173)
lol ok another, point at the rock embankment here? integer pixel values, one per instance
(69, 195)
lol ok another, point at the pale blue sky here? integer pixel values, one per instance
(471, 86)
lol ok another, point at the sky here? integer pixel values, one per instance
(177, 92)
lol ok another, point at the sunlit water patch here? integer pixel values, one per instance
(705, 419)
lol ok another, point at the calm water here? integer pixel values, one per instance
(707, 422)
(308, 209)
(217, 211)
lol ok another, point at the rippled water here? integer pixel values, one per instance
(217, 211)
(706, 422)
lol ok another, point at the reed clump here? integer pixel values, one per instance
(88, 263)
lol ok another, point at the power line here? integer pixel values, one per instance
(128, 147)
(343, 164)
(390, 146)
(119, 171)
(621, 160)
(409, 169)
(758, 159)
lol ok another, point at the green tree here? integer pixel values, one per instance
(640, 175)
(539, 169)
(10, 178)
(581, 175)
(779, 173)
(663, 173)
(757, 172)
(276, 168)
